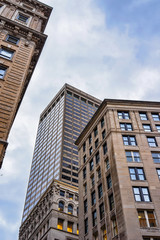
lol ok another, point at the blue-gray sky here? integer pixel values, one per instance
(108, 48)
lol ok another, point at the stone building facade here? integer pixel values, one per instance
(22, 25)
(55, 217)
(119, 175)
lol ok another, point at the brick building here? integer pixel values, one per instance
(119, 188)
(22, 25)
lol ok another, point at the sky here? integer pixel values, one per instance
(107, 48)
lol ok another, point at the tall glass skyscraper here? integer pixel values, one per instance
(55, 154)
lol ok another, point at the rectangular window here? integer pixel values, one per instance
(158, 128)
(84, 147)
(147, 218)
(97, 157)
(70, 227)
(5, 53)
(102, 122)
(22, 17)
(90, 150)
(92, 180)
(133, 156)
(85, 206)
(126, 126)
(99, 173)
(123, 115)
(62, 193)
(152, 141)
(141, 194)
(90, 139)
(101, 211)
(12, 39)
(84, 158)
(84, 173)
(109, 181)
(129, 140)
(86, 226)
(70, 196)
(143, 116)
(2, 72)
(60, 224)
(96, 143)
(94, 218)
(155, 116)
(100, 191)
(147, 127)
(103, 134)
(85, 188)
(114, 227)
(158, 172)
(104, 148)
(107, 164)
(156, 157)
(137, 174)
(95, 132)
(111, 202)
(91, 163)
(93, 197)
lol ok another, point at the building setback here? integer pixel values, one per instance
(119, 188)
(22, 24)
(55, 155)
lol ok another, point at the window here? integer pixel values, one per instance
(137, 174)
(85, 188)
(70, 227)
(100, 191)
(85, 206)
(158, 172)
(91, 163)
(104, 148)
(2, 72)
(97, 157)
(126, 126)
(77, 229)
(129, 140)
(93, 197)
(95, 132)
(96, 143)
(92, 180)
(60, 224)
(86, 226)
(141, 194)
(102, 122)
(147, 127)
(143, 116)
(99, 174)
(152, 141)
(101, 211)
(155, 116)
(123, 115)
(109, 181)
(156, 157)
(90, 139)
(84, 158)
(5, 53)
(90, 150)
(114, 227)
(12, 39)
(61, 206)
(151, 238)
(70, 209)
(84, 147)
(84, 173)
(107, 164)
(103, 133)
(158, 128)
(22, 17)
(104, 234)
(147, 218)
(133, 156)
(71, 196)
(111, 202)
(62, 193)
(94, 218)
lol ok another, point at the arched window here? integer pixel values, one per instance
(61, 206)
(70, 209)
